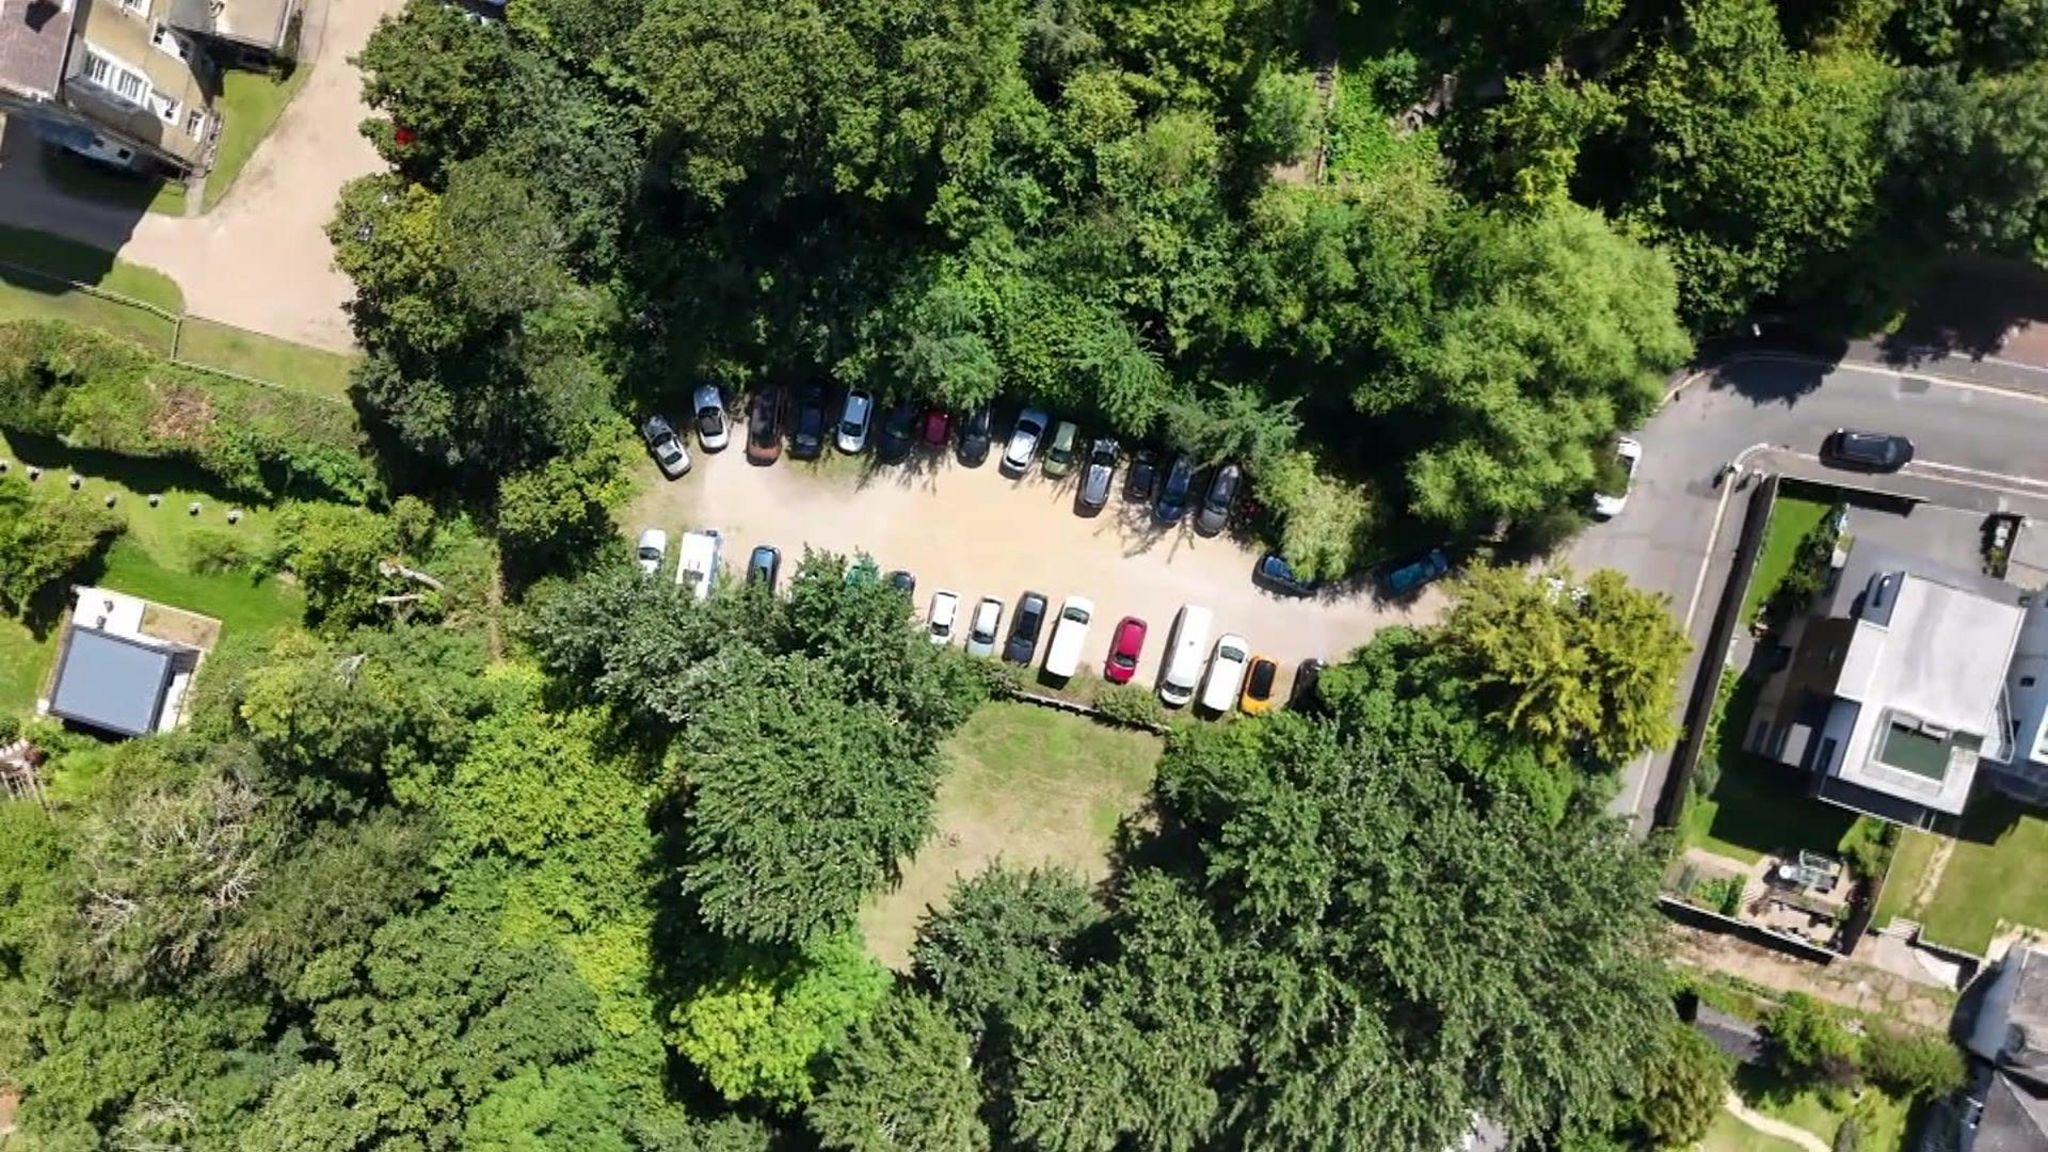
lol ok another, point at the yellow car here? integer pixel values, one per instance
(1258, 687)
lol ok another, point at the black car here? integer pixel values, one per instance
(1025, 624)
(1218, 501)
(764, 426)
(903, 582)
(807, 436)
(899, 430)
(977, 432)
(764, 565)
(1172, 504)
(1303, 697)
(1098, 478)
(1870, 451)
(1280, 576)
(1143, 476)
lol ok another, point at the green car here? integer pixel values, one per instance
(1059, 459)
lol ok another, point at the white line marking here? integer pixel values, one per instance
(1920, 467)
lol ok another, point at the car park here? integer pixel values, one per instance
(1098, 478)
(984, 627)
(666, 446)
(1259, 681)
(807, 435)
(899, 429)
(764, 564)
(1628, 454)
(1069, 636)
(1186, 646)
(1059, 455)
(1273, 571)
(903, 582)
(938, 427)
(698, 569)
(1126, 644)
(943, 615)
(1218, 500)
(854, 418)
(1172, 504)
(1143, 476)
(1412, 575)
(764, 426)
(714, 431)
(976, 433)
(1025, 625)
(1302, 696)
(1867, 451)
(652, 550)
(1025, 435)
(1225, 679)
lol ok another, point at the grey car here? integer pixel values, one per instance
(1099, 478)
(1218, 501)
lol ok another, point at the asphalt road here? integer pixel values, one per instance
(1978, 445)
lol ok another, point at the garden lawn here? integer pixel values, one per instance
(250, 103)
(1995, 872)
(1731, 1135)
(1028, 785)
(1910, 861)
(299, 367)
(1792, 517)
(1757, 807)
(1884, 1118)
(41, 293)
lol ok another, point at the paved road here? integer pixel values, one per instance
(1977, 446)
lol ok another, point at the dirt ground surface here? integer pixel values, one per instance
(1845, 982)
(976, 532)
(260, 260)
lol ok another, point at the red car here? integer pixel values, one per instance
(938, 427)
(1124, 646)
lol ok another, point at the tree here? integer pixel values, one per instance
(1685, 1084)
(1808, 1043)
(902, 1081)
(1003, 943)
(1968, 160)
(335, 550)
(757, 1023)
(566, 505)
(1914, 1065)
(44, 539)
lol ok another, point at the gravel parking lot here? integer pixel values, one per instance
(976, 532)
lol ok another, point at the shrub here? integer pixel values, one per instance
(1131, 705)
(45, 538)
(1916, 1065)
(1809, 571)
(1867, 846)
(213, 551)
(1849, 1137)
(1809, 1044)
(10, 729)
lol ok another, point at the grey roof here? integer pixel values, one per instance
(2014, 1119)
(257, 22)
(1734, 1036)
(34, 37)
(110, 682)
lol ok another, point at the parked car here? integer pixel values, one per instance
(903, 582)
(1259, 680)
(1024, 437)
(899, 428)
(976, 432)
(666, 446)
(1411, 576)
(714, 431)
(1302, 696)
(764, 426)
(938, 427)
(698, 569)
(1125, 646)
(652, 550)
(1098, 477)
(807, 435)
(984, 627)
(1069, 637)
(1226, 673)
(764, 564)
(1143, 476)
(1869, 451)
(1219, 500)
(1629, 454)
(945, 612)
(1172, 504)
(1276, 573)
(854, 417)
(1059, 455)
(1025, 624)
(1187, 644)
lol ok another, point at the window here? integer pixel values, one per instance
(168, 109)
(139, 7)
(98, 70)
(167, 41)
(195, 123)
(130, 86)
(2026, 681)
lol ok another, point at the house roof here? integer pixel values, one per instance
(258, 22)
(1734, 1036)
(34, 37)
(110, 682)
(2014, 1119)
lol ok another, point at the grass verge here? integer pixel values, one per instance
(41, 292)
(250, 103)
(1731, 1135)
(1883, 1119)
(299, 367)
(1792, 517)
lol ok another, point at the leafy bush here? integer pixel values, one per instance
(213, 551)
(1131, 705)
(1867, 846)
(1916, 1065)
(1722, 894)
(44, 538)
(10, 728)
(1849, 1137)
(1809, 1044)
(1809, 572)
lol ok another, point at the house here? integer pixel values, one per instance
(2024, 775)
(2010, 1037)
(116, 673)
(242, 33)
(114, 80)
(1896, 690)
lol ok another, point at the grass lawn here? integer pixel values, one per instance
(90, 180)
(89, 265)
(250, 103)
(1994, 873)
(1910, 859)
(28, 296)
(296, 366)
(1028, 785)
(1731, 1135)
(1792, 517)
(1884, 1118)
(1758, 807)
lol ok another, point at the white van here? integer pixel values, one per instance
(1226, 673)
(1185, 648)
(698, 569)
(1063, 659)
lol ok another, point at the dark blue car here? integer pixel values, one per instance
(1416, 573)
(1278, 575)
(1172, 504)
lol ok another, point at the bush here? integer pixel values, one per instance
(214, 551)
(1867, 846)
(1849, 1137)
(1131, 705)
(1809, 572)
(1808, 1044)
(1915, 1065)
(44, 538)
(286, 61)
(10, 729)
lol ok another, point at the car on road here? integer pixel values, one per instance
(1025, 625)
(1098, 478)
(1219, 500)
(1172, 504)
(944, 614)
(714, 431)
(938, 427)
(764, 564)
(976, 433)
(854, 418)
(1411, 576)
(666, 446)
(1273, 571)
(1259, 679)
(984, 627)
(1869, 451)
(903, 582)
(1143, 476)
(1024, 439)
(698, 569)
(652, 550)
(1302, 696)
(1059, 455)
(1125, 646)
(807, 435)
(1220, 688)
(764, 426)
(899, 430)
(1628, 454)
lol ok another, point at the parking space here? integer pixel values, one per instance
(976, 532)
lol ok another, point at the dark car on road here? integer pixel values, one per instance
(807, 435)
(899, 428)
(1411, 576)
(764, 426)
(977, 432)
(1276, 573)
(903, 582)
(1172, 504)
(764, 565)
(1098, 478)
(1142, 477)
(1218, 500)
(1025, 624)
(1303, 697)
(1869, 451)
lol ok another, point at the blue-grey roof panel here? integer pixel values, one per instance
(111, 682)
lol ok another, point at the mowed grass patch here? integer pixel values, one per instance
(299, 367)
(1910, 861)
(1792, 517)
(1026, 785)
(1756, 806)
(250, 103)
(70, 260)
(37, 269)
(1731, 1135)
(1994, 873)
(1883, 1118)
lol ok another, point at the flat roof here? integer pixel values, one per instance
(34, 37)
(110, 682)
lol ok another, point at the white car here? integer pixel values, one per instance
(1069, 636)
(698, 568)
(653, 550)
(714, 431)
(1025, 436)
(944, 615)
(985, 629)
(1630, 454)
(854, 420)
(1226, 673)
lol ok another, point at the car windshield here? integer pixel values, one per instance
(1262, 679)
(1233, 655)
(649, 552)
(985, 626)
(1076, 615)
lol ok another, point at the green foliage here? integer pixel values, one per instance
(755, 1026)
(335, 552)
(1969, 166)
(1811, 564)
(1131, 705)
(44, 538)
(1685, 1083)
(1280, 117)
(1914, 1065)
(1005, 942)
(1809, 1044)
(213, 551)
(566, 504)
(1538, 133)
(903, 1080)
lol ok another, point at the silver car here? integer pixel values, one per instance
(985, 627)
(1025, 437)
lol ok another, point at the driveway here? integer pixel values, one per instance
(978, 533)
(260, 259)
